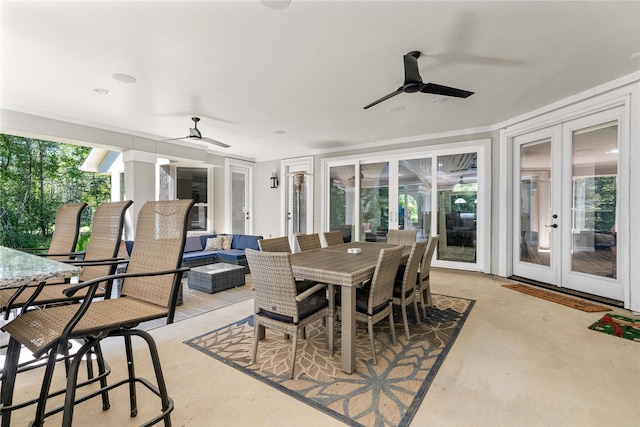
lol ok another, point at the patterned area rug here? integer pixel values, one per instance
(578, 304)
(387, 394)
(619, 326)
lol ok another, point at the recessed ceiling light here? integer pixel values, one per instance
(102, 91)
(276, 4)
(395, 109)
(279, 132)
(124, 78)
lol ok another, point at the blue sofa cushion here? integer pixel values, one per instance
(244, 241)
(231, 255)
(192, 244)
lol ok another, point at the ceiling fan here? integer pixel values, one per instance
(413, 82)
(195, 135)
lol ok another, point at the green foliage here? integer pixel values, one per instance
(37, 177)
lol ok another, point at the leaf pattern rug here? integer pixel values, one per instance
(387, 394)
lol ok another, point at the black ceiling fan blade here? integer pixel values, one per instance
(411, 73)
(445, 90)
(384, 98)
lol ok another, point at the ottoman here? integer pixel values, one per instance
(215, 277)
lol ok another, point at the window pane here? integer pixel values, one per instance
(192, 184)
(374, 201)
(414, 196)
(595, 171)
(457, 201)
(535, 203)
(342, 200)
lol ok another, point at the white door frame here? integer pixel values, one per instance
(287, 168)
(588, 107)
(230, 166)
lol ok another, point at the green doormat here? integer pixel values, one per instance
(619, 326)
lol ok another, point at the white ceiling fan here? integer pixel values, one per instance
(195, 135)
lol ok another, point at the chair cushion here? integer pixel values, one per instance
(397, 289)
(192, 244)
(362, 300)
(306, 307)
(232, 255)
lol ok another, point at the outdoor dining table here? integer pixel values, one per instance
(18, 269)
(337, 267)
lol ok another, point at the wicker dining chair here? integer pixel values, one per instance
(404, 289)
(275, 244)
(422, 284)
(279, 306)
(401, 237)
(99, 260)
(374, 299)
(333, 238)
(306, 242)
(149, 291)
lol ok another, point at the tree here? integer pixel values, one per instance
(36, 178)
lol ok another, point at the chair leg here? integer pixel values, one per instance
(294, 346)
(102, 369)
(405, 321)
(415, 310)
(46, 383)
(133, 398)
(373, 347)
(422, 301)
(167, 403)
(9, 373)
(256, 339)
(392, 325)
(72, 379)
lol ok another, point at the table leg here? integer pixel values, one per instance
(348, 329)
(331, 323)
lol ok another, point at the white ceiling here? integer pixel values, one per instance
(248, 70)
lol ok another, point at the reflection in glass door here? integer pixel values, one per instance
(457, 207)
(374, 201)
(239, 211)
(591, 246)
(535, 203)
(342, 200)
(414, 196)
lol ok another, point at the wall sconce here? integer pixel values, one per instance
(274, 180)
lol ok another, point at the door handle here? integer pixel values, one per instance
(552, 225)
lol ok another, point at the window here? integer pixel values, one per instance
(191, 183)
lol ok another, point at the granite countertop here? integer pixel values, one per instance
(19, 268)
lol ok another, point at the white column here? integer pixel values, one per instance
(139, 185)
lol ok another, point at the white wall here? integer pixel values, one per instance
(266, 201)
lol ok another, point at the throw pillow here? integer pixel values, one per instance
(213, 244)
(226, 242)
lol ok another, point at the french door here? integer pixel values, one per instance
(239, 197)
(566, 204)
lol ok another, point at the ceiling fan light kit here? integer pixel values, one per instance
(413, 83)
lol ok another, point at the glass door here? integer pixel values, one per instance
(566, 204)
(240, 214)
(536, 207)
(590, 236)
(238, 196)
